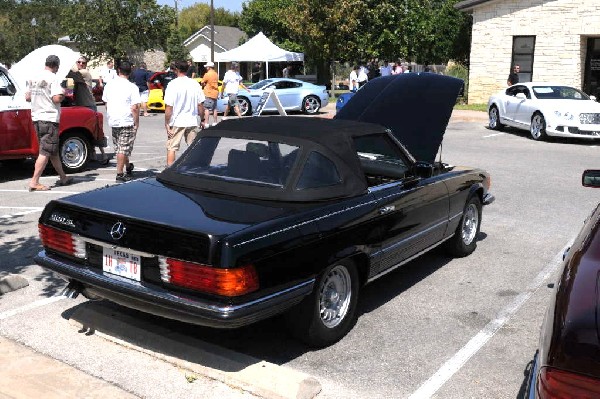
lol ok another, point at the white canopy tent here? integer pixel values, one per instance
(259, 48)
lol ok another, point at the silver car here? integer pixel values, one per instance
(294, 94)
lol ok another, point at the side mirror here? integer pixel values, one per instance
(521, 96)
(593, 98)
(423, 169)
(591, 178)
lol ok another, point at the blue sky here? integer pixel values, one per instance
(231, 5)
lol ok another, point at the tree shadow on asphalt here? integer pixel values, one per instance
(269, 339)
(16, 254)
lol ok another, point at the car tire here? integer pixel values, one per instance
(464, 241)
(74, 151)
(329, 312)
(311, 105)
(245, 106)
(494, 118)
(537, 127)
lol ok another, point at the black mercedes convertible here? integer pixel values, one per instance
(270, 215)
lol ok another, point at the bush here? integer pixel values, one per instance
(461, 72)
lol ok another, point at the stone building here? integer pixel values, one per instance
(551, 40)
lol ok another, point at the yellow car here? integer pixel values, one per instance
(156, 85)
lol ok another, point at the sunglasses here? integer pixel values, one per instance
(82, 62)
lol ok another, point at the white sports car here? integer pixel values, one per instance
(546, 109)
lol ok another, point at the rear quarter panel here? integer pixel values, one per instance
(569, 338)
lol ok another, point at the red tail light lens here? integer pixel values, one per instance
(62, 241)
(57, 240)
(226, 282)
(558, 384)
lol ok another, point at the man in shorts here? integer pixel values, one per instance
(232, 82)
(183, 105)
(140, 77)
(45, 94)
(210, 81)
(122, 100)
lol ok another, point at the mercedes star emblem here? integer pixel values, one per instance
(117, 231)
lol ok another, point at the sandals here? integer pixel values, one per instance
(68, 182)
(39, 187)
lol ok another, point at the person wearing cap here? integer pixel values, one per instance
(183, 105)
(210, 82)
(232, 82)
(45, 94)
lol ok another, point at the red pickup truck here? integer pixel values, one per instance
(80, 129)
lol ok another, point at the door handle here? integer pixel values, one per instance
(387, 209)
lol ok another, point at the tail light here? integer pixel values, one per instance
(61, 241)
(559, 384)
(227, 282)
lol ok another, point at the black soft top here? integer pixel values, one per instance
(331, 138)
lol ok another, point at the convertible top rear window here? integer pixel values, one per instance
(237, 159)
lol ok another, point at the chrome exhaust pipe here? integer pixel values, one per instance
(72, 290)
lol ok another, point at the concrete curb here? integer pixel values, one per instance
(258, 377)
(12, 282)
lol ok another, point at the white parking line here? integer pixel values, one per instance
(456, 362)
(53, 191)
(493, 135)
(32, 305)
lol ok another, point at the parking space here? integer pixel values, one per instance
(438, 327)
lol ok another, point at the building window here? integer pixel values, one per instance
(522, 54)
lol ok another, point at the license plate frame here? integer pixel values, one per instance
(122, 263)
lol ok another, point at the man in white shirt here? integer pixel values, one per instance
(183, 105)
(107, 74)
(363, 76)
(353, 80)
(123, 101)
(45, 94)
(232, 82)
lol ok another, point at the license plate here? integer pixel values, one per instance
(121, 263)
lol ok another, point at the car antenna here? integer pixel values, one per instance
(441, 149)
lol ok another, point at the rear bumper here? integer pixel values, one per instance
(156, 300)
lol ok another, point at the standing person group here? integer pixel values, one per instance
(122, 100)
(232, 82)
(45, 94)
(140, 77)
(183, 107)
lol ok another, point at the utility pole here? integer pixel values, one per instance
(33, 25)
(212, 31)
(176, 15)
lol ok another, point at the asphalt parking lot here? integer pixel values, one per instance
(438, 327)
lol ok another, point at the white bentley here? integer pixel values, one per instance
(546, 109)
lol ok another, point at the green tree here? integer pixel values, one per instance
(175, 48)
(193, 18)
(115, 28)
(324, 29)
(269, 17)
(18, 36)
